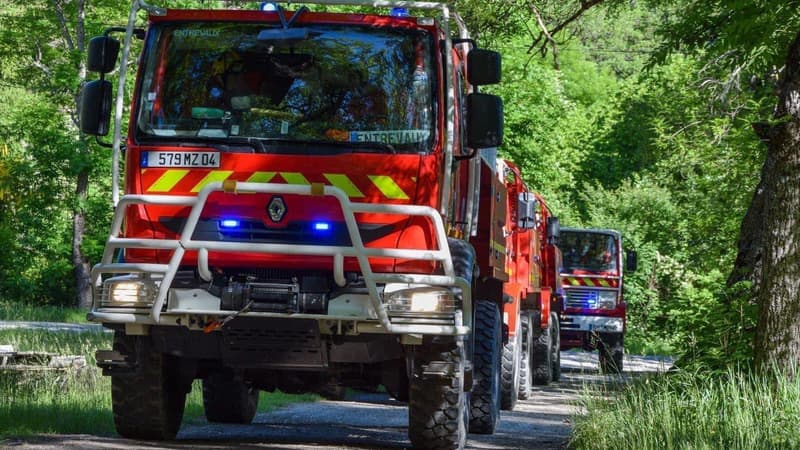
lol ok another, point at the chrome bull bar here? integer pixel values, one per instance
(356, 250)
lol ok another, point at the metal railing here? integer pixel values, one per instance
(356, 250)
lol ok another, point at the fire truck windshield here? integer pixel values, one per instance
(335, 86)
(588, 252)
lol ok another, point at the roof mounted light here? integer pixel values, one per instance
(268, 6)
(399, 12)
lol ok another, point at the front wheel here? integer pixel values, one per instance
(509, 377)
(525, 360)
(542, 351)
(227, 399)
(437, 406)
(148, 403)
(485, 396)
(610, 350)
(556, 345)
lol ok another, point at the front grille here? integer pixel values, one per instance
(581, 298)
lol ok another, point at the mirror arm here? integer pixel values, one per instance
(469, 41)
(467, 156)
(101, 143)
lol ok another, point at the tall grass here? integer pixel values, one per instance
(40, 313)
(737, 410)
(78, 402)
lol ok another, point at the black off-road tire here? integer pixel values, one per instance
(484, 409)
(437, 407)
(556, 346)
(509, 372)
(147, 403)
(524, 360)
(611, 349)
(541, 353)
(227, 399)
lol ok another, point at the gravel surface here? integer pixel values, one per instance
(373, 421)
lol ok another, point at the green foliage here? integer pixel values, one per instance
(735, 409)
(41, 402)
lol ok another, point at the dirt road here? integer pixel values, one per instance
(373, 421)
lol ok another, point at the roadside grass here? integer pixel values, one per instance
(735, 410)
(12, 310)
(41, 402)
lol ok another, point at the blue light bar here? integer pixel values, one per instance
(229, 223)
(399, 12)
(268, 6)
(322, 226)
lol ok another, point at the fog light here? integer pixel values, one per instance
(128, 291)
(421, 300)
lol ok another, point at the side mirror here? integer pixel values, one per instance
(103, 51)
(553, 230)
(484, 120)
(631, 261)
(96, 107)
(483, 67)
(526, 210)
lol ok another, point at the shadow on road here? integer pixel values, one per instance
(374, 421)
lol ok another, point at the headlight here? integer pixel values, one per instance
(128, 291)
(421, 300)
(607, 299)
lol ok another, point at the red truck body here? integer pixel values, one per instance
(594, 312)
(313, 201)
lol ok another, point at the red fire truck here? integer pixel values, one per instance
(530, 292)
(594, 314)
(312, 200)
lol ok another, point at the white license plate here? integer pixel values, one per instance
(180, 159)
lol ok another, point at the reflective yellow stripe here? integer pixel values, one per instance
(261, 177)
(388, 187)
(295, 178)
(168, 181)
(498, 246)
(343, 182)
(216, 175)
(574, 281)
(603, 283)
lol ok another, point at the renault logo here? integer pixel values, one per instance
(276, 209)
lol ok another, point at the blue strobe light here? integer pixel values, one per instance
(322, 226)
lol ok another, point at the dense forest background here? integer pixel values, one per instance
(619, 125)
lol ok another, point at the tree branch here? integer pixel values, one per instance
(62, 21)
(547, 35)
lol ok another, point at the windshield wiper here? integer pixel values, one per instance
(372, 147)
(219, 143)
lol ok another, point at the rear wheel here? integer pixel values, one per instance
(524, 359)
(509, 376)
(227, 399)
(541, 351)
(485, 396)
(556, 346)
(610, 352)
(437, 408)
(147, 403)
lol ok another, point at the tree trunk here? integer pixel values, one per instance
(79, 262)
(777, 202)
